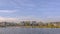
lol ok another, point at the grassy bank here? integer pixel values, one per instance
(36, 26)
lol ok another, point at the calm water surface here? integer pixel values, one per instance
(17, 30)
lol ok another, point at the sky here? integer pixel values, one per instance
(44, 10)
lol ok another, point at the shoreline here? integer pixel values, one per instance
(30, 26)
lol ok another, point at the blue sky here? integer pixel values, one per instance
(40, 9)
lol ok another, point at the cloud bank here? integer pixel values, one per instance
(18, 19)
(29, 18)
(6, 19)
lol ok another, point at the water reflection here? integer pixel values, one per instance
(17, 30)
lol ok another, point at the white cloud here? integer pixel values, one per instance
(7, 11)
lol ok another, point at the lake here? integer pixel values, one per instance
(18, 30)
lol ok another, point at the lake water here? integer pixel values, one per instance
(17, 30)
